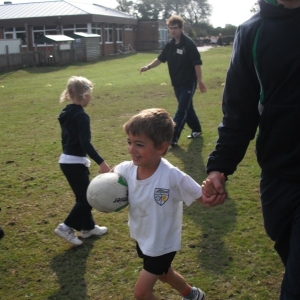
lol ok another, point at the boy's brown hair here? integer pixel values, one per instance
(175, 20)
(155, 123)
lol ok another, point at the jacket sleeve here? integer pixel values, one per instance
(240, 108)
(84, 131)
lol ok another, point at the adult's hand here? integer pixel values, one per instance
(144, 69)
(202, 86)
(213, 189)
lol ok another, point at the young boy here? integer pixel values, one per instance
(157, 190)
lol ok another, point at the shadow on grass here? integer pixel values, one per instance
(70, 269)
(192, 159)
(215, 223)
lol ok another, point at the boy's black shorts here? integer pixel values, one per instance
(157, 265)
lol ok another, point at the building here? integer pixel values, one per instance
(31, 21)
(151, 35)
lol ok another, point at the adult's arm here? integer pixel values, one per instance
(201, 84)
(156, 62)
(240, 113)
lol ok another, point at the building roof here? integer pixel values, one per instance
(84, 34)
(59, 38)
(57, 8)
(50, 38)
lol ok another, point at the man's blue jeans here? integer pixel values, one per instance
(185, 112)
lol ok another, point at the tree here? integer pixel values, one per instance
(255, 8)
(125, 6)
(149, 9)
(197, 11)
(193, 11)
(196, 14)
(174, 7)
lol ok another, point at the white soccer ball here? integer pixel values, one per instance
(108, 192)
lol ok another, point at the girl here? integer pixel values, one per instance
(76, 144)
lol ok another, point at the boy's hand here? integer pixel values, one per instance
(213, 189)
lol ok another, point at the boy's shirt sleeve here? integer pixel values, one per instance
(121, 169)
(187, 189)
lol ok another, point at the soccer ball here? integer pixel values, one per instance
(108, 192)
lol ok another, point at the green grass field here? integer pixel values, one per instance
(225, 250)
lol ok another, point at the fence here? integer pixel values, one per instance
(49, 56)
(16, 61)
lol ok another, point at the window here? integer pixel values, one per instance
(128, 27)
(108, 33)
(38, 28)
(9, 36)
(163, 34)
(97, 29)
(119, 30)
(68, 32)
(163, 37)
(80, 26)
(71, 28)
(15, 33)
(52, 27)
(40, 31)
(36, 36)
(22, 36)
(68, 26)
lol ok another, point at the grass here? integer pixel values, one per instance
(225, 250)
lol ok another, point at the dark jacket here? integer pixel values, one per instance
(181, 58)
(76, 133)
(262, 90)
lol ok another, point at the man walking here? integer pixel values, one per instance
(184, 63)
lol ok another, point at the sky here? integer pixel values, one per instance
(224, 12)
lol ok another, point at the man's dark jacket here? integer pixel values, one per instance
(262, 90)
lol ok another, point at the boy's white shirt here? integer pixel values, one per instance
(155, 206)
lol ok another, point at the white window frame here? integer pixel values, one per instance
(43, 30)
(97, 28)
(128, 27)
(13, 33)
(109, 37)
(119, 30)
(74, 28)
(163, 33)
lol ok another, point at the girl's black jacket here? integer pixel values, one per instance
(262, 91)
(76, 133)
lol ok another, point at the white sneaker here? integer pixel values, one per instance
(199, 294)
(96, 231)
(194, 135)
(69, 235)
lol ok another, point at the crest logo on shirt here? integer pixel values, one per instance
(161, 196)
